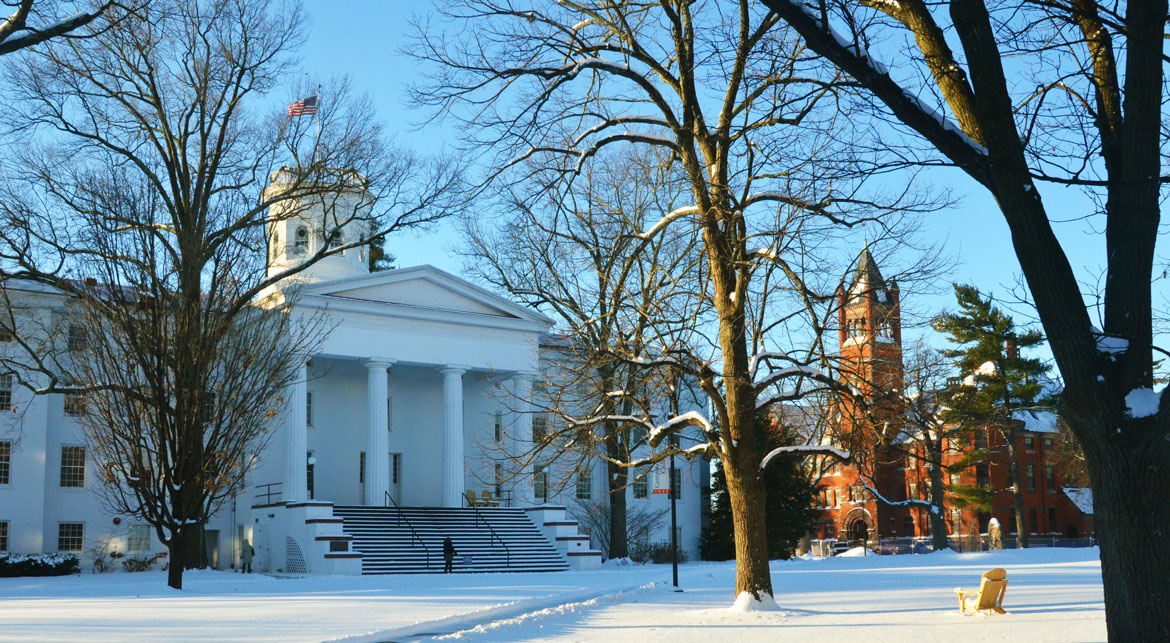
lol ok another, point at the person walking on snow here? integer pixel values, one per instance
(246, 554)
(448, 554)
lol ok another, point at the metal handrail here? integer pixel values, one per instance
(268, 493)
(478, 517)
(413, 532)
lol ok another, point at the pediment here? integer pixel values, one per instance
(424, 287)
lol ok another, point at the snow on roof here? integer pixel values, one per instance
(1037, 421)
(1082, 497)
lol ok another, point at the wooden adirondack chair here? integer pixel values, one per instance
(990, 594)
(471, 500)
(486, 499)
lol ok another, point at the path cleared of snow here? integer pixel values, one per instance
(1053, 595)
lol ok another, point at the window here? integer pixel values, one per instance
(362, 467)
(308, 408)
(6, 334)
(956, 521)
(310, 464)
(981, 439)
(389, 413)
(539, 483)
(3, 535)
(1050, 478)
(76, 338)
(70, 536)
(395, 467)
(1052, 521)
(1030, 478)
(499, 426)
(6, 392)
(641, 485)
(913, 492)
(302, 240)
(584, 487)
(1047, 444)
(5, 461)
(72, 466)
(1033, 527)
(539, 428)
(830, 529)
(676, 484)
(1029, 444)
(208, 408)
(139, 539)
(983, 474)
(499, 479)
(335, 238)
(74, 405)
(955, 479)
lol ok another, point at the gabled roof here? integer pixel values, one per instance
(422, 288)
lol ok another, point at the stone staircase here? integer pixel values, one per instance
(409, 540)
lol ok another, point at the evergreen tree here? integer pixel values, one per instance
(380, 259)
(996, 382)
(788, 498)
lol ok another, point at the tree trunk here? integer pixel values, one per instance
(177, 560)
(745, 490)
(1132, 522)
(938, 524)
(194, 547)
(619, 546)
(1017, 488)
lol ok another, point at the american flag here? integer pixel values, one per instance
(303, 107)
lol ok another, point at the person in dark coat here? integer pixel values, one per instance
(448, 554)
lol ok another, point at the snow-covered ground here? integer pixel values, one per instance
(1053, 595)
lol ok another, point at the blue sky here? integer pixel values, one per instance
(362, 39)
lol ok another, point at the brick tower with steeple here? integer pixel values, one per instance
(870, 336)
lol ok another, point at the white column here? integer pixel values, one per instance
(522, 436)
(377, 439)
(453, 488)
(296, 441)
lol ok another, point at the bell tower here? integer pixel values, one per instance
(870, 329)
(322, 219)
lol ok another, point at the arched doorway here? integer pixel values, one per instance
(857, 526)
(858, 530)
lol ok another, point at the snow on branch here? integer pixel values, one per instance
(667, 220)
(805, 449)
(677, 423)
(913, 502)
(788, 371)
(763, 358)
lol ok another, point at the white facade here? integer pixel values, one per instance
(419, 366)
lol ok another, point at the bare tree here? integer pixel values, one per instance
(572, 255)
(744, 116)
(1072, 93)
(149, 195)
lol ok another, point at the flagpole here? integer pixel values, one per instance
(318, 115)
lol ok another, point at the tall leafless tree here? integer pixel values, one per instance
(573, 256)
(155, 170)
(1069, 92)
(744, 115)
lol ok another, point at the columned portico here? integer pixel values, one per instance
(378, 439)
(453, 484)
(294, 483)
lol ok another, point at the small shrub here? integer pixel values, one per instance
(143, 564)
(38, 565)
(656, 553)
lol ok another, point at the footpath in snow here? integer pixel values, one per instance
(1053, 595)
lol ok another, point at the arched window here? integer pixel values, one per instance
(302, 239)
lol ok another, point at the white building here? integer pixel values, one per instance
(421, 367)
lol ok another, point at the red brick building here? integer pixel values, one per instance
(870, 339)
